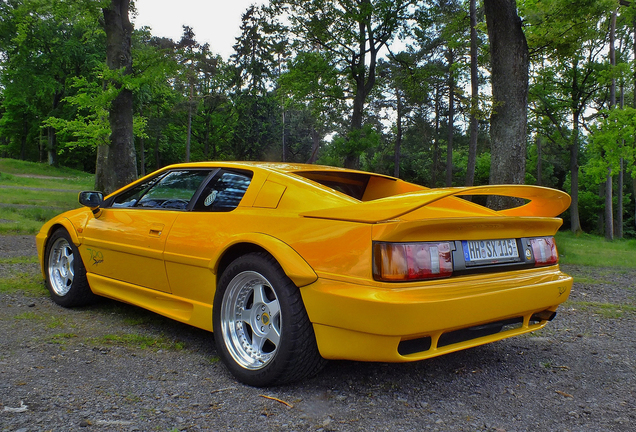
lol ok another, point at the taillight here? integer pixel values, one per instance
(544, 250)
(394, 262)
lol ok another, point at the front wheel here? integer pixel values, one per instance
(262, 332)
(65, 272)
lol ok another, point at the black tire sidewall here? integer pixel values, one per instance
(273, 372)
(79, 293)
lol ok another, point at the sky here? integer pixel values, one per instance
(216, 22)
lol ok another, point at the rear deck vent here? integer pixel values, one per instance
(470, 333)
(413, 346)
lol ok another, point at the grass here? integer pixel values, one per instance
(139, 341)
(28, 283)
(19, 260)
(27, 202)
(14, 166)
(48, 198)
(595, 251)
(62, 338)
(606, 310)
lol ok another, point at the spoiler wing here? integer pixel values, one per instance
(544, 202)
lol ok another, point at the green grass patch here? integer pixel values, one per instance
(30, 316)
(24, 221)
(61, 200)
(28, 283)
(56, 322)
(20, 260)
(62, 338)
(139, 341)
(590, 280)
(606, 310)
(24, 210)
(15, 166)
(52, 321)
(595, 251)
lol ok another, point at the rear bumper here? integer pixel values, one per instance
(372, 323)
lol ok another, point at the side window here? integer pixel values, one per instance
(224, 192)
(130, 197)
(173, 191)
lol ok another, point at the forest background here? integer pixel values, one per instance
(400, 87)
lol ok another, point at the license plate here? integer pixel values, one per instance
(478, 252)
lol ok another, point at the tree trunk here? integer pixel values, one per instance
(189, 132)
(398, 138)
(618, 228)
(436, 139)
(157, 155)
(23, 140)
(116, 162)
(142, 157)
(609, 208)
(609, 212)
(51, 132)
(315, 145)
(284, 143)
(451, 118)
(575, 220)
(508, 123)
(539, 161)
(363, 73)
(474, 96)
(634, 91)
(352, 158)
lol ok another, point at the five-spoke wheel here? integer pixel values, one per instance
(65, 272)
(61, 268)
(262, 331)
(251, 320)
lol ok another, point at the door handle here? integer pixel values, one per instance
(156, 230)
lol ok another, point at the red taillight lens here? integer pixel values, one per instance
(393, 262)
(544, 250)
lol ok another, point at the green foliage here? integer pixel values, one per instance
(288, 93)
(612, 140)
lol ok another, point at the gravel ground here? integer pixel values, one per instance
(114, 367)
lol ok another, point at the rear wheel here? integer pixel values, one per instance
(262, 331)
(65, 272)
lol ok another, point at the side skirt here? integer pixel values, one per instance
(180, 309)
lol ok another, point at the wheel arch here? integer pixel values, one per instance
(294, 266)
(41, 245)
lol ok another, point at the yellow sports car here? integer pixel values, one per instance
(291, 264)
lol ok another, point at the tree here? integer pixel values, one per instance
(353, 32)
(117, 161)
(45, 45)
(474, 95)
(508, 122)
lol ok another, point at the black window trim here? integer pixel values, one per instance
(213, 171)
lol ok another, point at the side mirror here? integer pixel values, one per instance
(91, 199)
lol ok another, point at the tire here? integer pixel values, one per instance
(261, 328)
(65, 271)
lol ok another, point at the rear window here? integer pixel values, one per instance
(359, 185)
(352, 184)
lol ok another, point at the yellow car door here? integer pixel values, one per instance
(196, 235)
(126, 240)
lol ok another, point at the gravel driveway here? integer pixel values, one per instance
(114, 367)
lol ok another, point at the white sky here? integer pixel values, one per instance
(216, 22)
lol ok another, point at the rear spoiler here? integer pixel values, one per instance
(544, 202)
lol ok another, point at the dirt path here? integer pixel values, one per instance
(116, 367)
